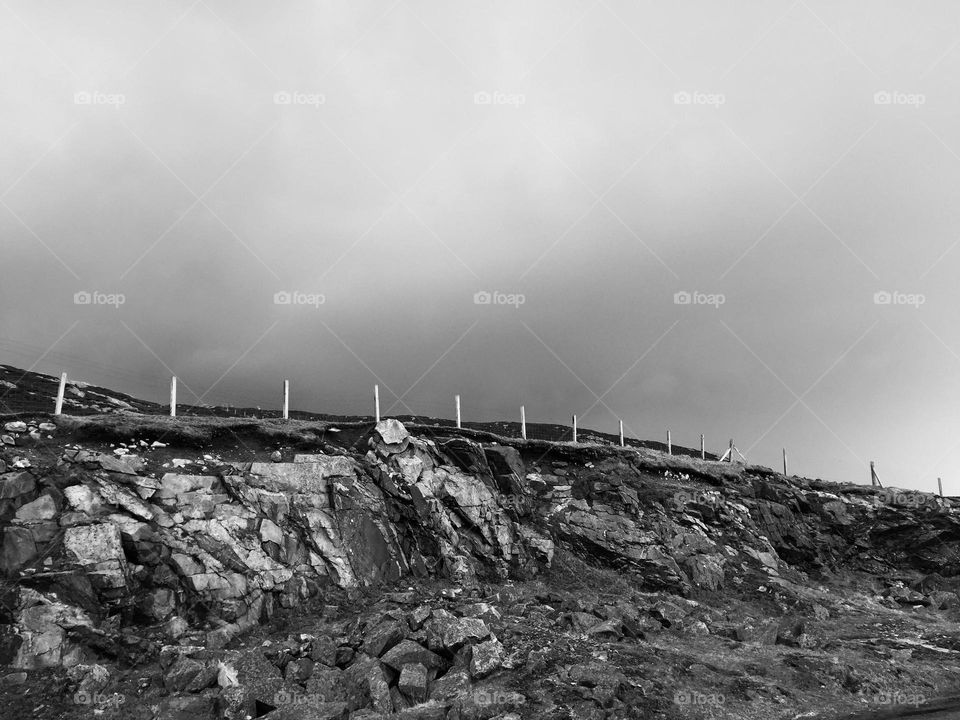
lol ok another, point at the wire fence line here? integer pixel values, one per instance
(34, 395)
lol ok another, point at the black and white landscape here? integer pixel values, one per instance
(473, 361)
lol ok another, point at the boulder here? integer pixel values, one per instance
(99, 549)
(413, 681)
(408, 652)
(327, 683)
(486, 658)
(182, 673)
(323, 650)
(392, 432)
(40, 510)
(18, 548)
(16, 484)
(382, 637)
(445, 631)
(365, 685)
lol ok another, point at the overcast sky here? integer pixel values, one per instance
(781, 162)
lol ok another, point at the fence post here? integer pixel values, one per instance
(785, 473)
(286, 399)
(621, 433)
(873, 475)
(523, 423)
(458, 412)
(173, 396)
(703, 452)
(574, 428)
(669, 444)
(940, 486)
(376, 401)
(63, 386)
(730, 450)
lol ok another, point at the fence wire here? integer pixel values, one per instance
(35, 396)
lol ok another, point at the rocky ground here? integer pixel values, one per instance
(218, 568)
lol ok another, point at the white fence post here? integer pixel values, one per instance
(376, 401)
(458, 412)
(523, 423)
(703, 451)
(63, 386)
(173, 396)
(574, 428)
(669, 444)
(621, 433)
(286, 399)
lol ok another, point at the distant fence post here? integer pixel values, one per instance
(669, 444)
(523, 423)
(173, 396)
(621, 433)
(458, 412)
(376, 401)
(873, 475)
(63, 386)
(286, 399)
(703, 452)
(785, 473)
(574, 428)
(940, 486)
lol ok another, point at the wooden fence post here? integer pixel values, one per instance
(523, 423)
(669, 444)
(458, 412)
(940, 486)
(785, 473)
(376, 401)
(873, 475)
(286, 399)
(173, 396)
(63, 386)
(621, 433)
(574, 428)
(703, 452)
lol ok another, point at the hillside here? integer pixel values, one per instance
(232, 567)
(23, 391)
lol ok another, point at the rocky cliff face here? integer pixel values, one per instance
(112, 554)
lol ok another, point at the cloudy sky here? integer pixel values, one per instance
(736, 218)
